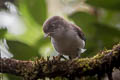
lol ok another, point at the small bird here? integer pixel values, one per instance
(67, 38)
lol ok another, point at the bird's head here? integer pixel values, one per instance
(53, 25)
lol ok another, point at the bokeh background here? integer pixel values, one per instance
(21, 25)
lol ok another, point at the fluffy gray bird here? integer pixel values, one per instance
(67, 38)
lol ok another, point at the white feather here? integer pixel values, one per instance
(82, 50)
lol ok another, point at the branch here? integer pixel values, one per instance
(102, 63)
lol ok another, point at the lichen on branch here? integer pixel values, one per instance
(103, 62)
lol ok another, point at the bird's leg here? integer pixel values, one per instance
(79, 55)
(61, 56)
(70, 57)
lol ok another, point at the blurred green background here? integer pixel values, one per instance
(99, 20)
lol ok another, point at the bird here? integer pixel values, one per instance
(66, 37)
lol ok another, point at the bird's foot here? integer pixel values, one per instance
(59, 57)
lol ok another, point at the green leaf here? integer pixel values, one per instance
(12, 77)
(110, 17)
(86, 21)
(42, 42)
(107, 34)
(108, 4)
(97, 35)
(37, 9)
(2, 32)
(21, 50)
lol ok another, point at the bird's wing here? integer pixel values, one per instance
(79, 32)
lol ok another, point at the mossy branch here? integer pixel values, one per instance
(102, 63)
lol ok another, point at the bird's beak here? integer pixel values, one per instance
(46, 35)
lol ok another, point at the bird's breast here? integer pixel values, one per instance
(67, 42)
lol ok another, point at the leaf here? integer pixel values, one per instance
(97, 35)
(12, 77)
(21, 50)
(37, 9)
(86, 21)
(2, 32)
(110, 17)
(42, 42)
(107, 34)
(108, 4)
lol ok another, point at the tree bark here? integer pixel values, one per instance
(102, 63)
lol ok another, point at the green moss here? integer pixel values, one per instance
(84, 69)
(85, 64)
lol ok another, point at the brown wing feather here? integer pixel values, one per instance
(79, 31)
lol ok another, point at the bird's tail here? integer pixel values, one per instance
(83, 50)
